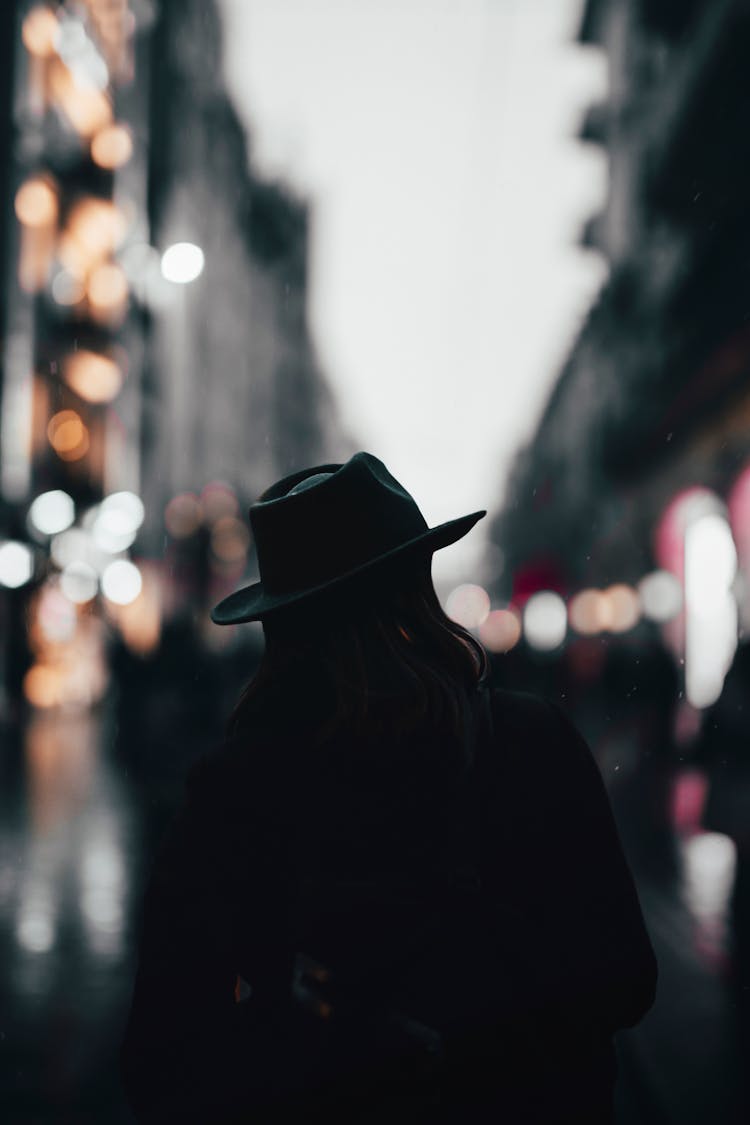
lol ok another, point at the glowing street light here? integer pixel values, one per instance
(121, 582)
(545, 620)
(52, 511)
(468, 605)
(16, 564)
(182, 262)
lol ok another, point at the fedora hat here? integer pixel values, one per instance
(323, 526)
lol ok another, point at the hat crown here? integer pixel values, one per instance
(308, 536)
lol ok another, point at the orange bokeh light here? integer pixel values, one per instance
(36, 203)
(588, 612)
(95, 377)
(230, 539)
(623, 608)
(87, 109)
(67, 435)
(95, 228)
(39, 32)
(107, 288)
(42, 686)
(219, 499)
(183, 515)
(500, 631)
(112, 146)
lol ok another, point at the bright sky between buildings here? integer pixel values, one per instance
(436, 143)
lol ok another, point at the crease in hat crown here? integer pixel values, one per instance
(325, 525)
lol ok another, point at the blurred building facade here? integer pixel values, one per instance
(654, 397)
(240, 395)
(157, 365)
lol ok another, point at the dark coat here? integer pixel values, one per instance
(555, 960)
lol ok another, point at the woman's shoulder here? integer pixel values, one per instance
(232, 777)
(537, 734)
(525, 710)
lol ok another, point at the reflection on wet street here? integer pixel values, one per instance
(70, 865)
(76, 834)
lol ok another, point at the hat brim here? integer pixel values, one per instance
(251, 603)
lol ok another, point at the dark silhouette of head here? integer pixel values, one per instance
(378, 656)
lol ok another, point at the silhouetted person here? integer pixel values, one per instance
(392, 893)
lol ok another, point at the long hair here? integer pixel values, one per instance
(382, 654)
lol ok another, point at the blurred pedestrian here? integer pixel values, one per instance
(392, 892)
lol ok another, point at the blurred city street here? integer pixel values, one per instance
(504, 246)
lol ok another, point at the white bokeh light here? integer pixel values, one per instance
(661, 596)
(709, 864)
(468, 605)
(182, 262)
(121, 582)
(545, 620)
(35, 929)
(711, 607)
(77, 545)
(52, 511)
(16, 563)
(115, 521)
(710, 563)
(128, 505)
(79, 582)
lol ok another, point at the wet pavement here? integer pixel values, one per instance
(75, 834)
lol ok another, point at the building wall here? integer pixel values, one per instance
(234, 391)
(661, 367)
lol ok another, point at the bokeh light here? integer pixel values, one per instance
(127, 505)
(709, 861)
(35, 929)
(55, 615)
(40, 31)
(587, 612)
(623, 608)
(16, 563)
(115, 523)
(79, 582)
(67, 435)
(52, 511)
(218, 499)
(107, 289)
(661, 596)
(94, 230)
(139, 622)
(76, 545)
(710, 563)
(121, 582)
(182, 263)
(67, 290)
(711, 607)
(36, 203)
(87, 108)
(545, 620)
(500, 631)
(183, 515)
(468, 605)
(93, 376)
(112, 146)
(684, 508)
(230, 539)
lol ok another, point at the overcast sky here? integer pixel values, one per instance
(435, 141)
